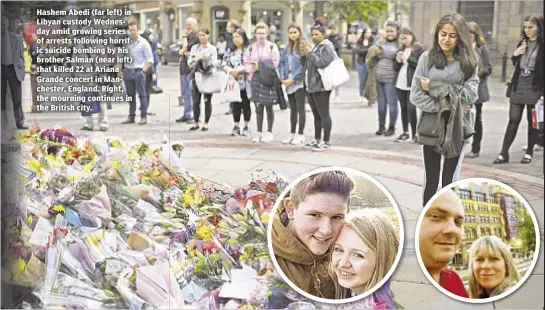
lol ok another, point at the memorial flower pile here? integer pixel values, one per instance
(106, 224)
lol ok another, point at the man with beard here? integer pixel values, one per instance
(440, 235)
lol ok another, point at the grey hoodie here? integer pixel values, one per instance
(319, 58)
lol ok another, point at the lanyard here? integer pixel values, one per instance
(530, 56)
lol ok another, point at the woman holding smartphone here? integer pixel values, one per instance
(526, 87)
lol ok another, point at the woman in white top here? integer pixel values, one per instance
(406, 61)
(206, 52)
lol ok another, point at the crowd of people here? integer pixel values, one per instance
(439, 92)
(447, 84)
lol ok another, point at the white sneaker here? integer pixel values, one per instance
(257, 138)
(267, 137)
(364, 101)
(289, 140)
(298, 140)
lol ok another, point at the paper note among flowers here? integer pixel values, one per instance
(243, 283)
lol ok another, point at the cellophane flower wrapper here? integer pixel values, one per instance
(70, 286)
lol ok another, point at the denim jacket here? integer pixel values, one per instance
(296, 69)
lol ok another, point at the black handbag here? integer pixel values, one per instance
(508, 90)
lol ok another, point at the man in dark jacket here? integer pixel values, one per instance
(190, 38)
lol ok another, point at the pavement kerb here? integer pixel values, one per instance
(413, 160)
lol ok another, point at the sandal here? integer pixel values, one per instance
(526, 159)
(501, 160)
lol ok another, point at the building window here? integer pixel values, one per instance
(465, 194)
(481, 12)
(274, 18)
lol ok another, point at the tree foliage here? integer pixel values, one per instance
(527, 231)
(351, 11)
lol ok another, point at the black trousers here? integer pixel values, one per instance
(319, 104)
(242, 108)
(515, 116)
(259, 111)
(478, 137)
(408, 111)
(197, 105)
(297, 111)
(432, 166)
(10, 77)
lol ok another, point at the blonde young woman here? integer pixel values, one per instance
(363, 254)
(492, 270)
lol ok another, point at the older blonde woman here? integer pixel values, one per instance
(492, 270)
(363, 254)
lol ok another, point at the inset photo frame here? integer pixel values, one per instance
(336, 236)
(477, 240)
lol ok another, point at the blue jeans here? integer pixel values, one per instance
(387, 100)
(156, 75)
(135, 82)
(186, 93)
(362, 74)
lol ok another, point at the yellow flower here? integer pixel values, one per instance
(204, 233)
(16, 267)
(59, 209)
(265, 218)
(36, 166)
(269, 293)
(30, 220)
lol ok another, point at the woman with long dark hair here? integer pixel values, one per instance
(362, 47)
(526, 86)
(406, 61)
(321, 56)
(485, 69)
(444, 88)
(386, 79)
(207, 54)
(233, 64)
(291, 74)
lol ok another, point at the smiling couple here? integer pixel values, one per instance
(492, 270)
(323, 253)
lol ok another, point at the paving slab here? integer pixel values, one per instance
(240, 178)
(528, 296)
(195, 163)
(408, 270)
(410, 233)
(425, 296)
(232, 165)
(324, 160)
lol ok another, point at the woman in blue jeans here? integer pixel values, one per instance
(386, 77)
(362, 47)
